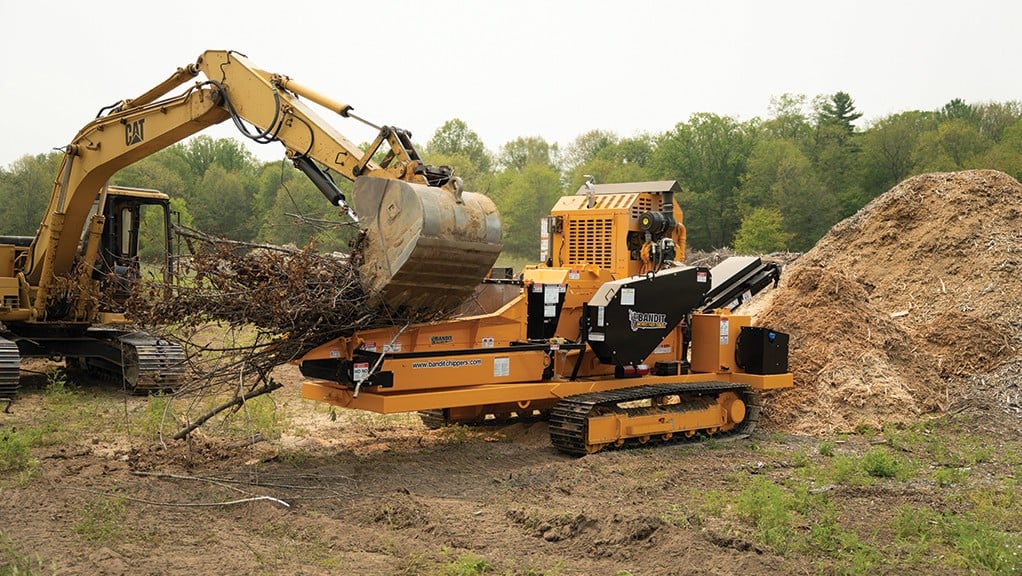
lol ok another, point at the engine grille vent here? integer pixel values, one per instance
(591, 242)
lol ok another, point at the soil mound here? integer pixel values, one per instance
(901, 309)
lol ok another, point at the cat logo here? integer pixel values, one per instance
(133, 132)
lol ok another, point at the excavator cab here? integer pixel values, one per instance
(135, 241)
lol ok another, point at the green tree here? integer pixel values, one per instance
(455, 138)
(521, 152)
(835, 150)
(761, 232)
(222, 205)
(955, 145)
(523, 198)
(586, 147)
(788, 120)
(708, 155)
(957, 109)
(202, 151)
(155, 173)
(888, 149)
(25, 190)
(301, 216)
(996, 117)
(1006, 155)
(838, 110)
(780, 178)
(624, 160)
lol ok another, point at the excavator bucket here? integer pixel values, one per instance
(424, 250)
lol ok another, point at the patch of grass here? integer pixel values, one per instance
(881, 463)
(14, 563)
(15, 455)
(943, 442)
(59, 388)
(682, 516)
(102, 520)
(256, 416)
(945, 477)
(878, 463)
(965, 541)
(155, 418)
(793, 521)
(827, 448)
(467, 565)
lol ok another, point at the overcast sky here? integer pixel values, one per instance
(554, 69)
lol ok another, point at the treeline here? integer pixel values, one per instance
(759, 185)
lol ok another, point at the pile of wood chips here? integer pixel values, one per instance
(909, 307)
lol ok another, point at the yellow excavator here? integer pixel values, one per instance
(610, 338)
(427, 243)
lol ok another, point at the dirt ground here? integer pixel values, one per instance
(347, 493)
(913, 362)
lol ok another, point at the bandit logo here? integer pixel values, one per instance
(647, 320)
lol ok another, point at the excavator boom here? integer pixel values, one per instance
(414, 217)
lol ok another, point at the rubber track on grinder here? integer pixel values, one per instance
(569, 418)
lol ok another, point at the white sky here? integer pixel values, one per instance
(554, 69)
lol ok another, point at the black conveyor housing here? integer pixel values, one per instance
(738, 279)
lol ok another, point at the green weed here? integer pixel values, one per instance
(14, 452)
(14, 563)
(945, 477)
(792, 520)
(827, 448)
(101, 520)
(967, 541)
(881, 463)
(256, 416)
(467, 565)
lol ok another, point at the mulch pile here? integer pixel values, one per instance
(911, 306)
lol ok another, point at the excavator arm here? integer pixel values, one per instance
(427, 243)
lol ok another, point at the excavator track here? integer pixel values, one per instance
(152, 364)
(10, 370)
(571, 418)
(144, 363)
